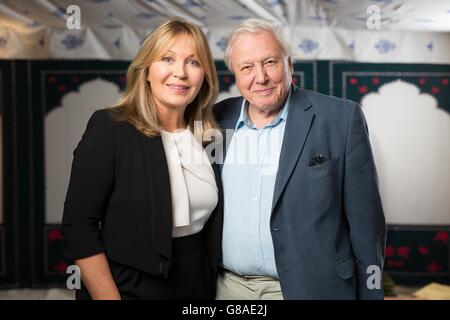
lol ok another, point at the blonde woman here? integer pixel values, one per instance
(143, 212)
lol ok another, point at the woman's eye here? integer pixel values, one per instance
(193, 62)
(166, 59)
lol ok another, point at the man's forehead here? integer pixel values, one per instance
(249, 56)
(246, 43)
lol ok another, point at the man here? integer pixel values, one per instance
(303, 217)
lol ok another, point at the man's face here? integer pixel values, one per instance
(262, 70)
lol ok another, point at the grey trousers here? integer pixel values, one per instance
(231, 286)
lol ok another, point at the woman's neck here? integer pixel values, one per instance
(172, 120)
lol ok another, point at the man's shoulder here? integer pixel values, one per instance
(323, 101)
(223, 108)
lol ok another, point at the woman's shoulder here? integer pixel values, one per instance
(106, 116)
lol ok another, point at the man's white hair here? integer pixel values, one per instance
(255, 25)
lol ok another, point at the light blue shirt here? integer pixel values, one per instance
(248, 175)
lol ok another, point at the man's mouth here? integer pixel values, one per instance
(264, 92)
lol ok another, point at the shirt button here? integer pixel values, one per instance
(255, 199)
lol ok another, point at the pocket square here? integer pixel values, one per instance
(317, 160)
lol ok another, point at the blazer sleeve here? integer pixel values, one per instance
(90, 186)
(363, 207)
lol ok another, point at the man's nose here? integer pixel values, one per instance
(261, 74)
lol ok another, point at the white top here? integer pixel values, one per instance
(192, 182)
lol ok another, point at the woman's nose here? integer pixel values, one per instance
(180, 70)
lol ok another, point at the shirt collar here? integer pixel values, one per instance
(245, 120)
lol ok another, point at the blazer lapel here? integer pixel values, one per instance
(297, 128)
(160, 197)
(228, 123)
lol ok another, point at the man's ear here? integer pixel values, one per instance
(291, 64)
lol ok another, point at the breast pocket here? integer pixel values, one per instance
(322, 186)
(327, 168)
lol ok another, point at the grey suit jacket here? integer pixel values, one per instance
(327, 221)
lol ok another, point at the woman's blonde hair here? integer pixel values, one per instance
(137, 105)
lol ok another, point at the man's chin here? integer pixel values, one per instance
(265, 107)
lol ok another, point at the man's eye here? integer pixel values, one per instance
(245, 68)
(270, 62)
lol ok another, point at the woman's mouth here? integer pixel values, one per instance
(179, 88)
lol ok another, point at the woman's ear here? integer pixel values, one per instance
(147, 73)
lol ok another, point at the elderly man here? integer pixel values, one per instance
(303, 217)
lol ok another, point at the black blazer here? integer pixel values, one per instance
(119, 199)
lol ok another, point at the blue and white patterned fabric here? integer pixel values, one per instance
(321, 29)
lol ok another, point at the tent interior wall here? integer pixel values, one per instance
(52, 78)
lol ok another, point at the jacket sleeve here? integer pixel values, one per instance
(363, 208)
(90, 186)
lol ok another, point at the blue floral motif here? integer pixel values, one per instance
(384, 46)
(425, 20)
(382, 1)
(351, 45)
(72, 42)
(3, 42)
(317, 18)
(145, 15)
(273, 3)
(117, 43)
(192, 3)
(33, 24)
(59, 13)
(238, 17)
(222, 43)
(307, 45)
(430, 46)
(97, 1)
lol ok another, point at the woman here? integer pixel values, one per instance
(143, 212)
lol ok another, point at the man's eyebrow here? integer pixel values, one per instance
(243, 62)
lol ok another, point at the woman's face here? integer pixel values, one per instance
(177, 76)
